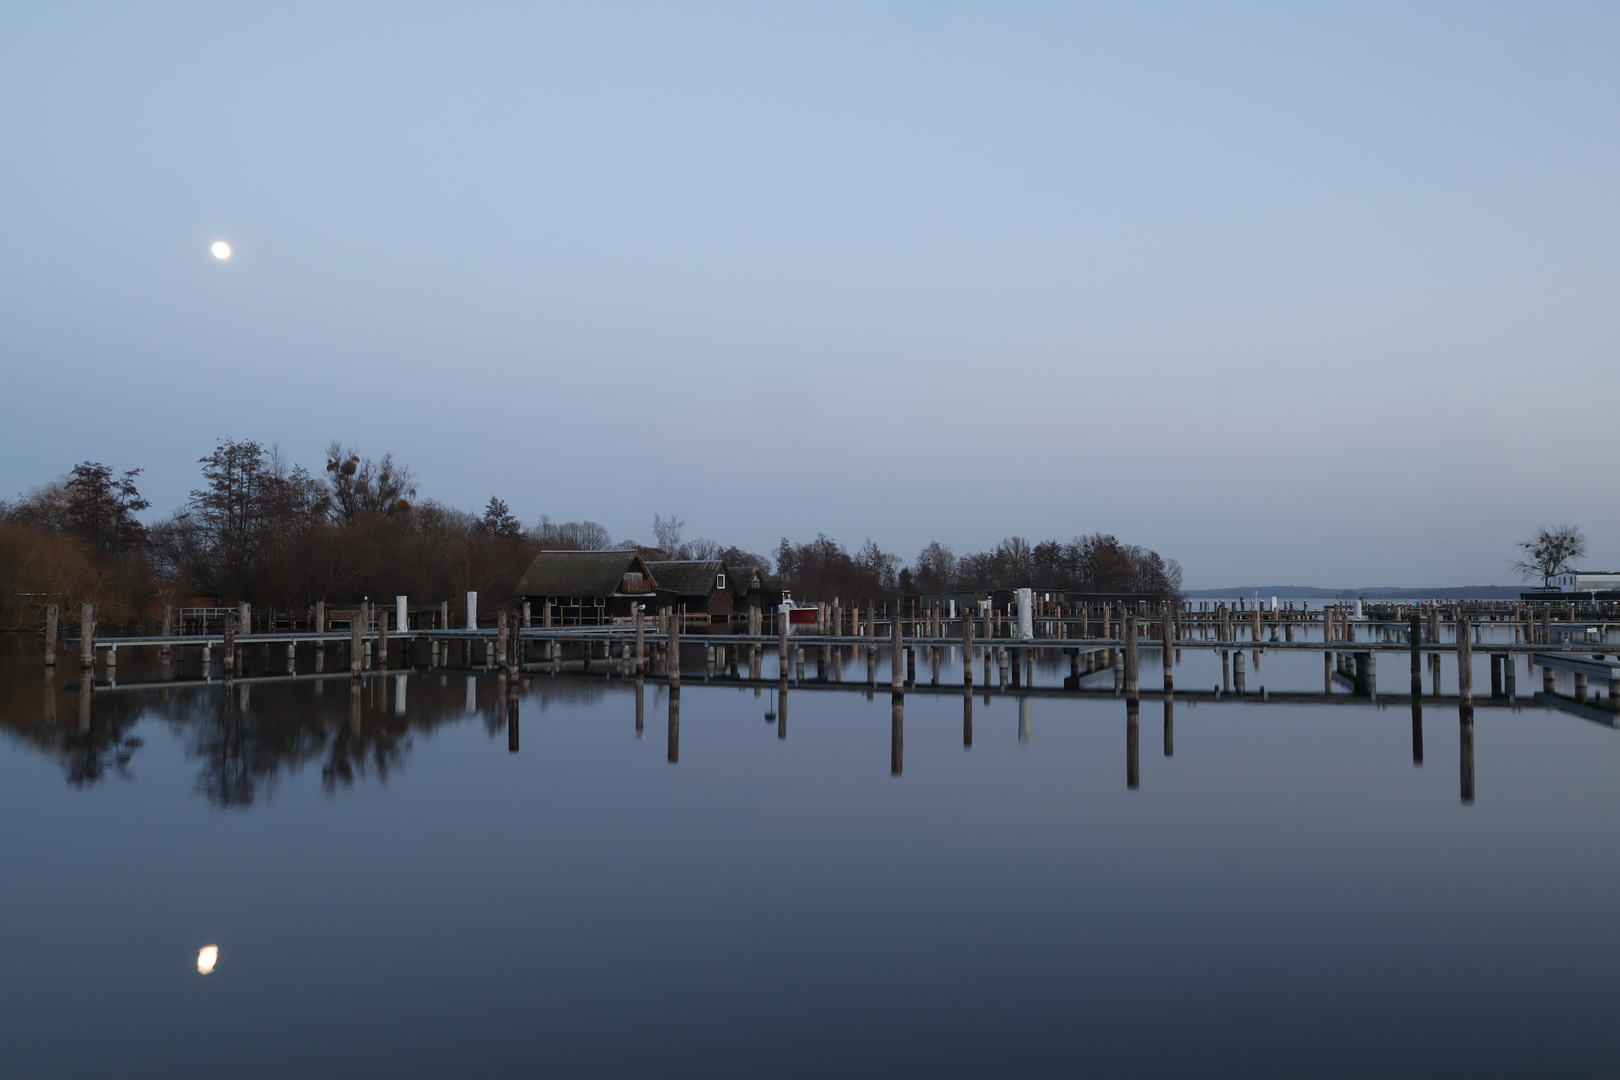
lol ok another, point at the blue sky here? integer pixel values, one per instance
(1289, 292)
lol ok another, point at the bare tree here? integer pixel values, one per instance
(667, 532)
(1550, 552)
(571, 535)
(702, 549)
(363, 486)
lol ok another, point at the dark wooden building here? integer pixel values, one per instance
(586, 588)
(703, 587)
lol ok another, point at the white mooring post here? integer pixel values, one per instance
(1026, 615)
(401, 620)
(472, 611)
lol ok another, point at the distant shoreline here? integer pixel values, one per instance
(1312, 592)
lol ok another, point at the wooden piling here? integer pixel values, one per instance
(782, 645)
(1133, 691)
(897, 659)
(229, 660)
(674, 663)
(641, 638)
(1168, 632)
(514, 656)
(1414, 631)
(356, 646)
(382, 640)
(967, 654)
(1465, 663)
(51, 633)
(87, 637)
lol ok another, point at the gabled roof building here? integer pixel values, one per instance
(703, 587)
(586, 588)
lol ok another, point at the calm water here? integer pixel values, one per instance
(395, 891)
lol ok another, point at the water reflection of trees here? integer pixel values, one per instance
(249, 739)
(247, 736)
(43, 712)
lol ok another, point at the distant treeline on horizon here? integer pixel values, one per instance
(261, 529)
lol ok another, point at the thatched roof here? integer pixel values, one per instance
(579, 573)
(687, 577)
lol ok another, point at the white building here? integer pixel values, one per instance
(1582, 581)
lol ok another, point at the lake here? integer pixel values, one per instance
(401, 884)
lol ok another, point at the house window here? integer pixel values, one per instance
(720, 581)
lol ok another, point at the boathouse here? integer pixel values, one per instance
(703, 587)
(1587, 581)
(586, 588)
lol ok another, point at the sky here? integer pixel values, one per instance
(1291, 293)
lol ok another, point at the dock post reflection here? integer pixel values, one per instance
(1169, 725)
(50, 696)
(897, 734)
(1133, 747)
(87, 687)
(1466, 753)
(781, 708)
(1026, 718)
(1417, 730)
(511, 716)
(641, 705)
(354, 708)
(967, 717)
(674, 724)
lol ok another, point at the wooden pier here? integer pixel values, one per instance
(1096, 638)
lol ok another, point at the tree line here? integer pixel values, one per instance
(262, 529)
(1098, 563)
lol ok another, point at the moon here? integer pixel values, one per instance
(207, 957)
(221, 250)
